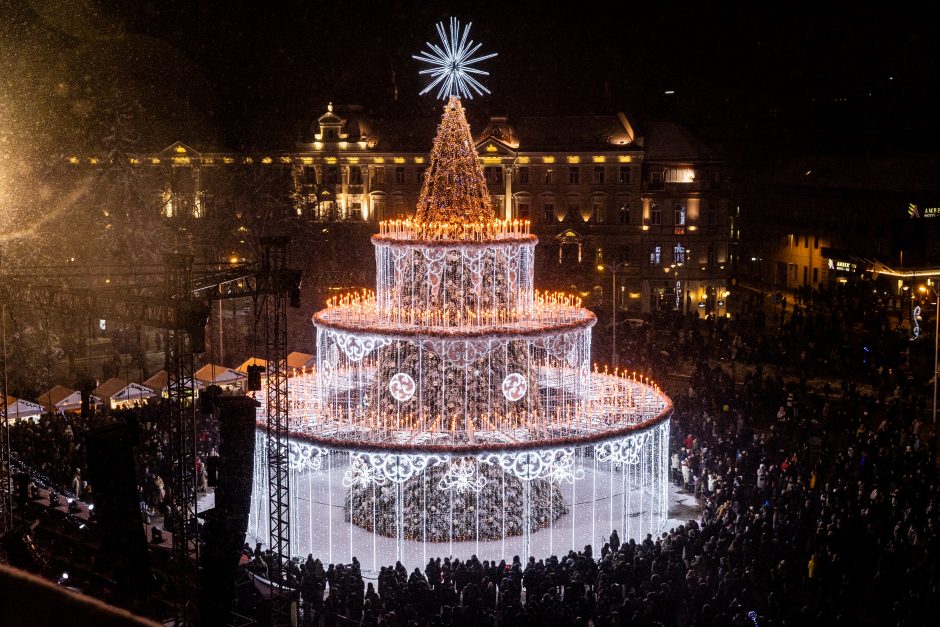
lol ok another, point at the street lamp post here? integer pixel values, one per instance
(936, 345)
(613, 297)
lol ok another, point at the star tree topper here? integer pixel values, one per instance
(451, 63)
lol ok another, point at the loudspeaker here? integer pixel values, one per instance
(225, 525)
(254, 378)
(112, 473)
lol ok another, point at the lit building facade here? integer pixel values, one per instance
(647, 200)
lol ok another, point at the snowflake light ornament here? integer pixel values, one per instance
(451, 63)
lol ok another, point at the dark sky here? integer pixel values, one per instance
(788, 82)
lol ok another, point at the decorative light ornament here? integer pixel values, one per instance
(451, 63)
(514, 386)
(402, 387)
(460, 477)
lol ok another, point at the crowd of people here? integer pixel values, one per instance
(803, 430)
(818, 506)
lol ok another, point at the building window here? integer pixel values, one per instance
(624, 175)
(599, 174)
(549, 211)
(597, 213)
(656, 215)
(421, 176)
(679, 210)
(400, 175)
(549, 176)
(574, 175)
(523, 211)
(625, 214)
(656, 179)
(656, 254)
(712, 257)
(805, 244)
(815, 275)
(574, 213)
(355, 176)
(815, 245)
(493, 175)
(623, 256)
(680, 175)
(310, 176)
(678, 253)
(523, 176)
(378, 175)
(332, 175)
(712, 214)
(598, 256)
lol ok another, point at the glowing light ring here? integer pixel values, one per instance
(356, 346)
(622, 451)
(460, 477)
(514, 387)
(303, 456)
(451, 63)
(375, 333)
(402, 387)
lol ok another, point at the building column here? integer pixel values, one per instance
(507, 199)
(344, 190)
(366, 198)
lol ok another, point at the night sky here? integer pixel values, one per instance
(757, 87)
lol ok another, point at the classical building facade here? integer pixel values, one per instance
(647, 201)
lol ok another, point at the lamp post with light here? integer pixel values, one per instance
(936, 336)
(613, 297)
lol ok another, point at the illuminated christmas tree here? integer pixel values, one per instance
(454, 189)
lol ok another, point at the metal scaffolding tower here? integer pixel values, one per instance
(277, 283)
(186, 332)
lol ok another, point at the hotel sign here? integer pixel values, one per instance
(842, 266)
(914, 211)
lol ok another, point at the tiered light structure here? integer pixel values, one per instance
(454, 410)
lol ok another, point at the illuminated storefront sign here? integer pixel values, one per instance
(842, 266)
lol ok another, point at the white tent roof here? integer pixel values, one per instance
(18, 409)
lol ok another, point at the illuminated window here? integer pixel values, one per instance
(378, 175)
(679, 211)
(549, 211)
(549, 176)
(625, 213)
(523, 176)
(574, 175)
(523, 213)
(400, 175)
(624, 175)
(656, 254)
(599, 174)
(656, 215)
(678, 253)
(680, 175)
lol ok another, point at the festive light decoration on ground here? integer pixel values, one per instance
(452, 63)
(454, 409)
